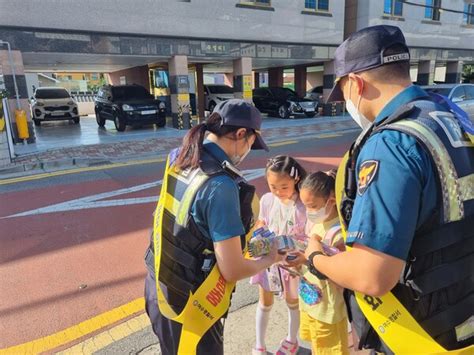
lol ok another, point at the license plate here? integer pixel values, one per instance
(148, 112)
(309, 110)
(57, 113)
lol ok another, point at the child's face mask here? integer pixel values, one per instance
(318, 216)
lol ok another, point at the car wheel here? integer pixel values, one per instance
(120, 124)
(100, 121)
(161, 122)
(76, 120)
(310, 115)
(283, 112)
(212, 106)
(37, 122)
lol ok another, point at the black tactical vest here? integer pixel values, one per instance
(437, 286)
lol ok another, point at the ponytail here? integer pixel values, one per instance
(190, 152)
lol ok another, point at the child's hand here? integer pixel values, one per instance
(275, 255)
(298, 261)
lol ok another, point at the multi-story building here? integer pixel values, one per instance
(440, 33)
(135, 42)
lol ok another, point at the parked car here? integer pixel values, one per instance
(128, 105)
(315, 93)
(53, 104)
(215, 94)
(283, 102)
(461, 94)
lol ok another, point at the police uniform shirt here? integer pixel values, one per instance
(396, 187)
(216, 208)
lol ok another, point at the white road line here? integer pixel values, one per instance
(94, 201)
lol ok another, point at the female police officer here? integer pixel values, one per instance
(202, 218)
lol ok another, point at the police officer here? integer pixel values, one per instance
(203, 216)
(407, 202)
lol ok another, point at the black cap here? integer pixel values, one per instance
(240, 113)
(364, 50)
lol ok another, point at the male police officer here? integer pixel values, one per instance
(407, 204)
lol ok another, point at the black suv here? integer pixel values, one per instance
(128, 105)
(283, 102)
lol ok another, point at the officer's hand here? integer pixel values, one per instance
(314, 244)
(298, 261)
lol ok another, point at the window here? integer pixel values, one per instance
(469, 14)
(257, 2)
(469, 92)
(51, 94)
(459, 94)
(318, 5)
(432, 9)
(393, 7)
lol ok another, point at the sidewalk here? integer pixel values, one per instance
(92, 146)
(135, 336)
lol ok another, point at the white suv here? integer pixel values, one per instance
(215, 94)
(53, 104)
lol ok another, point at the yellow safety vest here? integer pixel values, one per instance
(386, 314)
(211, 300)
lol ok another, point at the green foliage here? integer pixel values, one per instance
(468, 73)
(3, 93)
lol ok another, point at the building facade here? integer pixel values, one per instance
(134, 44)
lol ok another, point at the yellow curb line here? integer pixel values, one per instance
(282, 143)
(108, 337)
(79, 330)
(79, 170)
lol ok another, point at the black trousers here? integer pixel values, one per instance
(169, 332)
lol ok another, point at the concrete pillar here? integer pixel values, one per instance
(328, 78)
(201, 100)
(7, 71)
(179, 90)
(275, 77)
(453, 72)
(243, 78)
(136, 75)
(256, 80)
(426, 72)
(300, 80)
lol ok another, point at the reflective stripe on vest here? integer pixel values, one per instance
(455, 191)
(386, 314)
(212, 298)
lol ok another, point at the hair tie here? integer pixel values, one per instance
(292, 171)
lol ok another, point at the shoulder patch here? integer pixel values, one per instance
(368, 171)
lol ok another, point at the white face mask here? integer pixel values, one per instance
(237, 159)
(318, 216)
(360, 119)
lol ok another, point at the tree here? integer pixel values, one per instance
(468, 73)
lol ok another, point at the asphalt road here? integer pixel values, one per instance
(73, 245)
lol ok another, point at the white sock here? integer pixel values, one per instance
(293, 322)
(262, 318)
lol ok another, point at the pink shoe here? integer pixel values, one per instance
(287, 348)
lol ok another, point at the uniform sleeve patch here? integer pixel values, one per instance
(368, 171)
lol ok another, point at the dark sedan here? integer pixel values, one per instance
(128, 105)
(283, 102)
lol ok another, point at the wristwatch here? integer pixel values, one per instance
(312, 268)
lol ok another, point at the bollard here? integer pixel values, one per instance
(2, 118)
(22, 124)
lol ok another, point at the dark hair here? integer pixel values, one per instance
(392, 71)
(284, 164)
(190, 151)
(320, 183)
